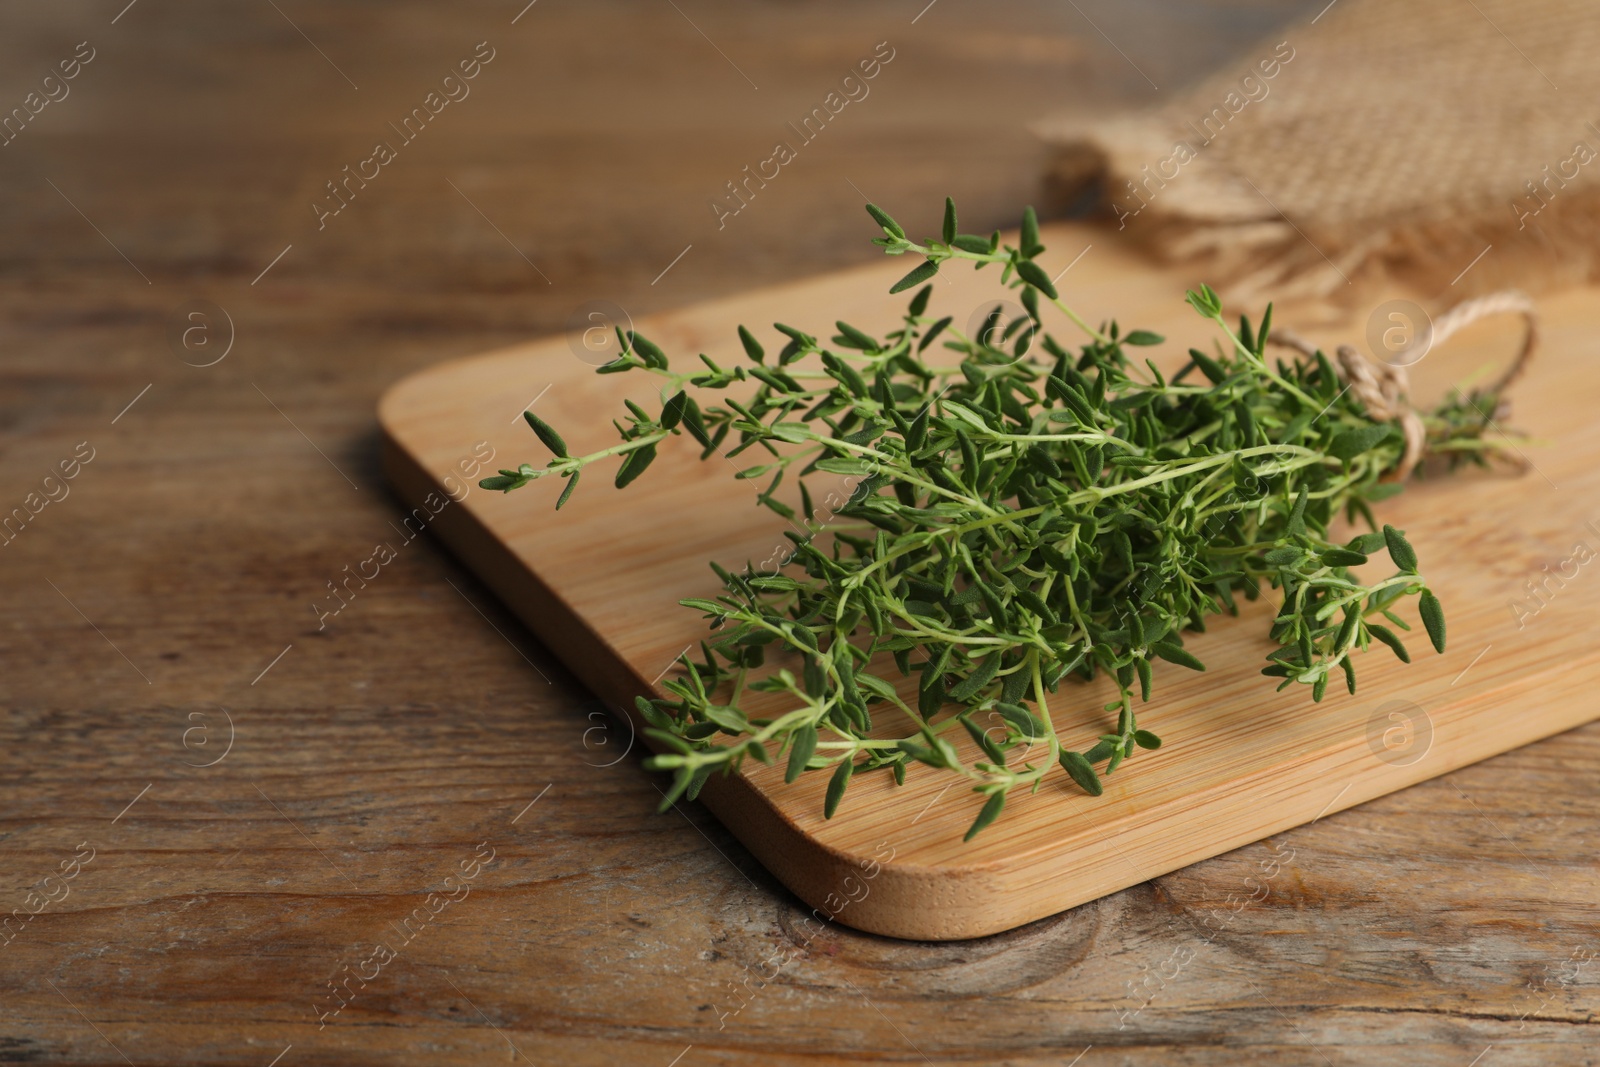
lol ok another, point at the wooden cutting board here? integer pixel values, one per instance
(599, 584)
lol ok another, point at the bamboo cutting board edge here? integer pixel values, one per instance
(753, 818)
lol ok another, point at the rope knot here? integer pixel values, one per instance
(1384, 388)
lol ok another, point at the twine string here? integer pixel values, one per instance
(1384, 388)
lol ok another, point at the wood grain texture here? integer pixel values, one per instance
(1419, 928)
(600, 583)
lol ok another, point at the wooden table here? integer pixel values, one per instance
(249, 800)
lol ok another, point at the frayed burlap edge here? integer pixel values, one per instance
(1213, 220)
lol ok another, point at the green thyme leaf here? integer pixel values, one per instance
(1030, 232)
(1082, 772)
(551, 439)
(1176, 654)
(1349, 444)
(634, 465)
(890, 227)
(752, 347)
(1027, 725)
(1432, 618)
(572, 483)
(989, 813)
(801, 751)
(1388, 637)
(672, 411)
(1297, 516)
(919, 274)
(1400, 550)
(1034, 275)
(648, 351)
(836, 787)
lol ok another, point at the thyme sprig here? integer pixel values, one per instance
(1025, 513)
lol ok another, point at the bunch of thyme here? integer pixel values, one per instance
(1023, 514)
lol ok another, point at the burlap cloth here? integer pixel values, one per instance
(1397, 141)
